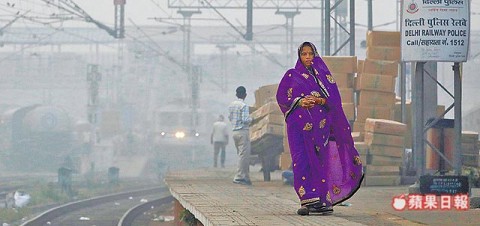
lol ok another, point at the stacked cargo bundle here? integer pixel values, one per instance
(268, 120)
(265, 94)
(375, 81)
(470, 155)
(343, 70)
(266, 131)
(385, 142)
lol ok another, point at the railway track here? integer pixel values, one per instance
(99, 211)
(129, 217)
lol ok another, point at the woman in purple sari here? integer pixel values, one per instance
(327, 168)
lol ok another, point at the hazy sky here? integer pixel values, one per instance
(139, 10)
(142, 12)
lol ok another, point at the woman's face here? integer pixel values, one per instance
(306, 56)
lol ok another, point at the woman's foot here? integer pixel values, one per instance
(323, 209)
(303, 211)
(316, 208)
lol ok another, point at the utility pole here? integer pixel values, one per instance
(340, 9)
(370, 15)
(195, 84)
(249, 34)
(326, 28)
(223, 65)
(120, 35)
(289, 15)
(93, 79)
(187, 16)
(119, 18)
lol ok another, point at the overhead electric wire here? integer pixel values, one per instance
(160, 50)
(27, 47)
(161, 8)
(269, 56)
(224, 18)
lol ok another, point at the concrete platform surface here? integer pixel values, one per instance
(214, 200)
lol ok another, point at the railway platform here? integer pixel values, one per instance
(213, 199)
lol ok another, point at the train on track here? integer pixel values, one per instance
(44, 138)
(178, 144)
(35, 137)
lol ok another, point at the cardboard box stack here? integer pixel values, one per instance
(375, 81)
(385, 142)
(265, 94)
(470, 155)
(267, 129)
(268, 120)
(343, 70)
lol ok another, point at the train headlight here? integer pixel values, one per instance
(179, 135)
(197, 134)
(162, 133)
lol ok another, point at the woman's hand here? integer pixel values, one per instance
(320, 100)
(307, 102)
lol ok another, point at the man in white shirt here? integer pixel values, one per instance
(219, 139)
(240, 119)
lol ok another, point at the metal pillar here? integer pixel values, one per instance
(249, 34)
(117, 71)
(418, 120)
(458, 118)
(223, 66)
(327, 28)
(403, 108)
(370, 15)
(289, 16)
(335, 29)
(195, 85)
(187, 15)
(322, 28)
(403, 92)
(352, 27)
(119, 18)
(425, 107)
(340, 9)
(93, 79)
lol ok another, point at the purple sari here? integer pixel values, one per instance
(326, 165)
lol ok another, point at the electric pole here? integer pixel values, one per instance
(223, 65)
(119, 18)
(93, 78)
(193, 80)
(289, 15)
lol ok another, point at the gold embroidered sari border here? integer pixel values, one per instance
(308, 201)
